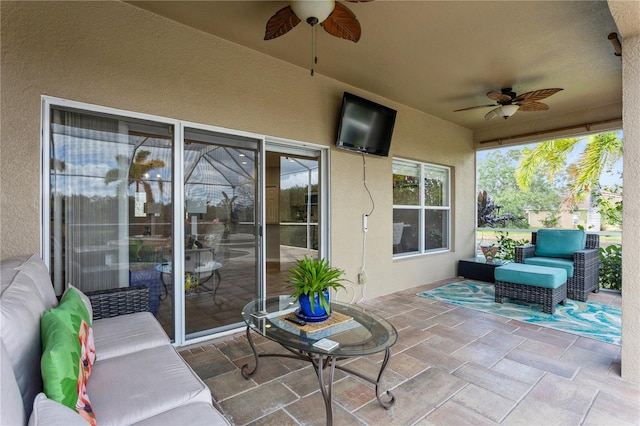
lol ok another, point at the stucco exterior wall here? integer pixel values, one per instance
(627, 17)
(631, 213)
(113, 54)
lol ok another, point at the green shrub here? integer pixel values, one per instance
(611, 267)
(507, 246)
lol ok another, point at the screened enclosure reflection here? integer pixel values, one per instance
(221, 250)
(112, 221)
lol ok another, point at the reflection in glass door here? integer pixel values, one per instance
(221, 238)
(134, 200)
(292, 212)
(110, 210)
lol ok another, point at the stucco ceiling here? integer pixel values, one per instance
(438, 56)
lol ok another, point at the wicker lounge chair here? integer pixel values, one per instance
(586, 263)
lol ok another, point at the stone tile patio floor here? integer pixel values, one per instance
(450, 366)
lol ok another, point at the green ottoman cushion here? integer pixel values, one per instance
(538, 276)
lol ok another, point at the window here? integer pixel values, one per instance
(421, 208)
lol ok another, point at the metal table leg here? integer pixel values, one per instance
(392, 399)
(245, 374)
(320, 362)
(318, 365)
(248, 374)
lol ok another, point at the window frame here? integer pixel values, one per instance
(424, 209)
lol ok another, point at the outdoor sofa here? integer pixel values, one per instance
(132, 374)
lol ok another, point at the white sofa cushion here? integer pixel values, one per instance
(194, 414)
(51, 413)
(126, 334)
(149, 382)
(11, 412)
(20, 312)
(10, 270)
(35, 269)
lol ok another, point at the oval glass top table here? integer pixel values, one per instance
(356, 331)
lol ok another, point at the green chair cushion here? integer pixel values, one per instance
(559, 242)
(538, 276)
(552, 262)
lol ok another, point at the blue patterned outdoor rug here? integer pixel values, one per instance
(588, 319)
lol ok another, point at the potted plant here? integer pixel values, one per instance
(311, 279)
(489, 252)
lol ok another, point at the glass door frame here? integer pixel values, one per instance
(266, 143)
(179, 248)
(288, 146)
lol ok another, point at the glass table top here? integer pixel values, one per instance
(359, 332)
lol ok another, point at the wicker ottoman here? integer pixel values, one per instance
(532, 283)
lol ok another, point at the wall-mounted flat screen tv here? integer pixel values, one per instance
(365, 126)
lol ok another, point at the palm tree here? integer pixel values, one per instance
(549, 156)
(138, 171)
(601, 152)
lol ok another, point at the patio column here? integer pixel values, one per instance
(627, 17)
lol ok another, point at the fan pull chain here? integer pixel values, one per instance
(314, 58)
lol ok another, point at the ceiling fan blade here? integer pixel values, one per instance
(498, 97)
(343, 23)
(536, 95)
(529, 106)
(281, 23)
(475, 107)
(491, 114)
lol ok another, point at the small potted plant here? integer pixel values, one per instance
(311, 279)
(489, 252)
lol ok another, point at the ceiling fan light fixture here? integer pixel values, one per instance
(313, 11)
(506, 111)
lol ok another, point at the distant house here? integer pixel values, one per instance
(571, 216)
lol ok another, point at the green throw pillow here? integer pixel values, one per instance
(85, 300)
(68, 354)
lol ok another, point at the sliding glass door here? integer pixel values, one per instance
(110, 202)
(295, 199)
(138, 202)
(222, 244)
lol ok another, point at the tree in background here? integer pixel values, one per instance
(610, 203)
(601, 152)
(552, 219)
(609, 200)
(497, 176)
(489, 213)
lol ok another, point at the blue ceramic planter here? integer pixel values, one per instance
(318, 313)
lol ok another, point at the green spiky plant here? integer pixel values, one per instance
(311, 275)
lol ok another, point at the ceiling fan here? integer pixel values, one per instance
(508, 103)
(336, 18)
